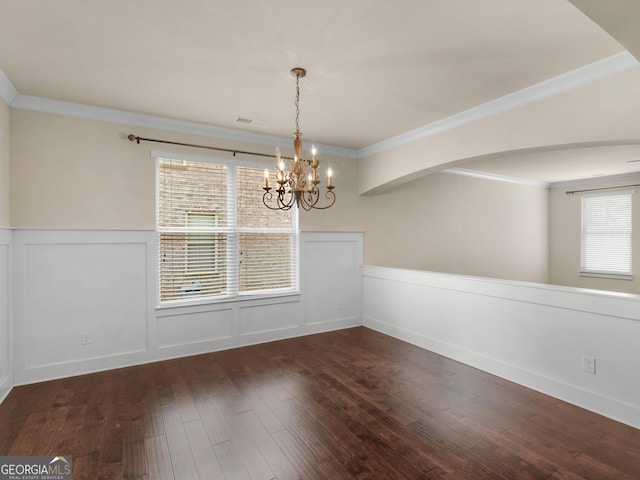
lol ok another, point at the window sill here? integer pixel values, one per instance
(204, 302)
(613, 276)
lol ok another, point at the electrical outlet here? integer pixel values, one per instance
(588, 364)
(86, 338)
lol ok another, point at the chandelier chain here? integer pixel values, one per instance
(297, 103)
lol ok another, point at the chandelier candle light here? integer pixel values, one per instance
(298, 182)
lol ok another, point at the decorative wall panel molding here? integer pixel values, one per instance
(86, 300)
(6, 369)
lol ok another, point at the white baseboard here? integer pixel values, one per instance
(6, 385)
(88, 366)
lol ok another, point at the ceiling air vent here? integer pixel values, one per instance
(254, 122)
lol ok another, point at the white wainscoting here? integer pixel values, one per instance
(532, 334)
(67, 283)
(71, 282)
(6, 369)
(332, 294)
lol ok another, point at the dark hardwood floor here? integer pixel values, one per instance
(339, 405)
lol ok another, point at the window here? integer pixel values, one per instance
(216, 238)
(606, 234)
(202, 247)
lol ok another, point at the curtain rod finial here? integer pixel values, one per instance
(132, 137)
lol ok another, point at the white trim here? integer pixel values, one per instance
(58, 107)
(495, 177)
(537, 183)
(6, 383)
(586, 181)
(614, 276)
(584, 75)
(7, 91)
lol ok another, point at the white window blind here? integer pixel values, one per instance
(606, 233)
(216, 238)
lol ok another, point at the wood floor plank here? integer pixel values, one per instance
(267, 446)
(109, 471)
(331, 468)
(349, 404)
(252, 457)
(305, 428)
(48, 441)
(86, 466)
(298, 455)
(183, 397)
(134, 461)
(203, 454)
(230, 461)
(30, 435)
(182, 461)
(158, 458)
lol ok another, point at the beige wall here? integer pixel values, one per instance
(564, 241)
(5, 215)
(74, 173)
(450, 223)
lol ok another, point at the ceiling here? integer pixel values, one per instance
(376, 69)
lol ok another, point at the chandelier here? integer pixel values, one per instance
(297, 178)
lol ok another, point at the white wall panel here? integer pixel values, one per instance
(330, 288)
(532, 334)
(71, 282)
(97, 288)
(256, 319)
(6, 374)
(175, 329)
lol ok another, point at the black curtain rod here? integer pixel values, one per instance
(137, 139)
(571, 192)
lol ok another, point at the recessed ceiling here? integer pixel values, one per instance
(376, 69)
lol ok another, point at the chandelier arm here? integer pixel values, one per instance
(268, 196)
(280, 204)
(307, 199)
(280, 201)
(329, 195)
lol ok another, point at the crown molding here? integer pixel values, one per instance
(536, 183)
(58, 107)
(584, 75)
(495, 177)
(588, 181)
(7, 91)
(611, 65)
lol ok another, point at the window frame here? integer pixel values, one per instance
(611, 274)
(233, 231)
